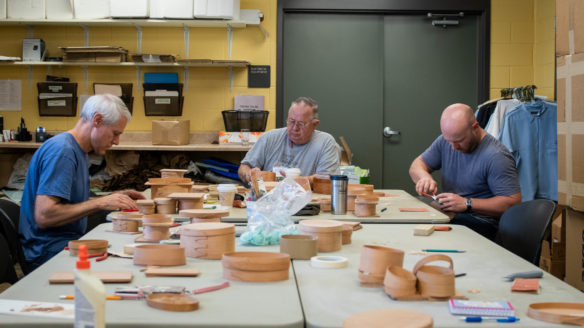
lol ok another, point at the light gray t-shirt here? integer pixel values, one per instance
(319, 156)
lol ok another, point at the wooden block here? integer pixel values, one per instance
(423, 229)
(68, 277)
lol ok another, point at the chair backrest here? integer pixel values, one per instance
(9, 219)
(522, 228)
(11, 210)
(7, 272)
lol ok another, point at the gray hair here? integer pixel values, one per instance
(108, 105)
(308, 102)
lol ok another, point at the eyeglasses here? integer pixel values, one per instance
(300, 124)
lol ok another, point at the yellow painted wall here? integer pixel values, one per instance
(522, 45)
(208, 90)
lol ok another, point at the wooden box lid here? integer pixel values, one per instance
(203, 213)
(320, 226)
(145, 202)
(167, 181)
(173, 170)
(207, 229)
(163, 200)
(172, 302)
(256, 261)
(389, 318)
(157, 218)
(186, 195)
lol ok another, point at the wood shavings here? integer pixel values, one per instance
(474, 291)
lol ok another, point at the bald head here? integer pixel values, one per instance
(460, 128)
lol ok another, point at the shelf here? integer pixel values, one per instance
(232, 63)
(247, 17)
(139, 146)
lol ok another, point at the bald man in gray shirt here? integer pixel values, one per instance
(299, 145)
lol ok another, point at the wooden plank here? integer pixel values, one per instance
(68, 277)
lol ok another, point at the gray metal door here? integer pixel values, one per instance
(368, 72)
(426, 69)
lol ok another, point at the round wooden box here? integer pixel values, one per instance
(328, 232)
(172, 173)
(202, 215)
(433, 280)
(256, 266)
(268, 176)
(389, 318)
(366, 206)
(366, 187)
(325, 204)
(207, 240)
(352, 196)
(188, 200)
(94, 246)
(146, 206)
(321, 184)
(299, 247)
(172, 302)
(399, 282)
(374, 262)
(163, 255)
(156, 227)
(347, 233)
(165, 205)
(126, 222)
(200, 188)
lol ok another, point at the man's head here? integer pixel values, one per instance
(302, 120)
(108, 116)
(460, 128)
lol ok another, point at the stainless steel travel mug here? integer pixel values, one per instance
(339, 194)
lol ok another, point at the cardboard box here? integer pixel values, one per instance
(575, 248)
(559, 225)
(235, 137)
(171, 132)
(91, 9)
(129, 8)
(553, 250)
(180, 9)
(25, 9)
(556, 268)
(569, 27)
(59, 9)
(570, 97)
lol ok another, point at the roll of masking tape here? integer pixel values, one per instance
(328, 262)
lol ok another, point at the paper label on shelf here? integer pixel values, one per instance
(55, 88)
(162, 101)
(56, 103)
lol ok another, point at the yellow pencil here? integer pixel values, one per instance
(71, 297)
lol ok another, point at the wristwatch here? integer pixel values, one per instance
(468, 204)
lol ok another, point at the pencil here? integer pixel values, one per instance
(71, 297)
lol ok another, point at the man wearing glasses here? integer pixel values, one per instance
(299, 145)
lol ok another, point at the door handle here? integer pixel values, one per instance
(388, 132)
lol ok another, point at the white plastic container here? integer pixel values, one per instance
(220, 9)
(25, 9)
(89, 295)
(59, 9)
(226, 194)
(129, 8)
(292, 173)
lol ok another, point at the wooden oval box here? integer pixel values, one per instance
(188, 200)
(202, 215)
(146, 206)
(329, 233)
(164, 255)
(207, 240)
(165, 205)
(156, 227)
(94, 246)
(255, 266)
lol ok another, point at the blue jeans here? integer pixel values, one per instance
(487, 228)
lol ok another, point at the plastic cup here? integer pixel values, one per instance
(226, 194)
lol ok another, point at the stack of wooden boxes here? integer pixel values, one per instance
(570, 97)
(553, 252)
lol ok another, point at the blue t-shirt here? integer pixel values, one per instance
(486, 172)
(58, 168)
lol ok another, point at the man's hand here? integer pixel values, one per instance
(451, 202)
(255, 172)
(132, 194)
(116, 201)
(426, 185)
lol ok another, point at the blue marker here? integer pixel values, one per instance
(480, 319)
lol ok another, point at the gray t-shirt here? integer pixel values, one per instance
(319, 156)
(486, 172)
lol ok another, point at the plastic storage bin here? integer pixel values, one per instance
(235, 120)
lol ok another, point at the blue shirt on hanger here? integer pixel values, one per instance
(530, 134)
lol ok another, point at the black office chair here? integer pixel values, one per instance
(9, 220)
(7, 272)
(523, 226)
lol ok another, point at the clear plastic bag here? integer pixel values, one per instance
(271, 216)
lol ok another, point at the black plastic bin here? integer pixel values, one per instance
(236, 120)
